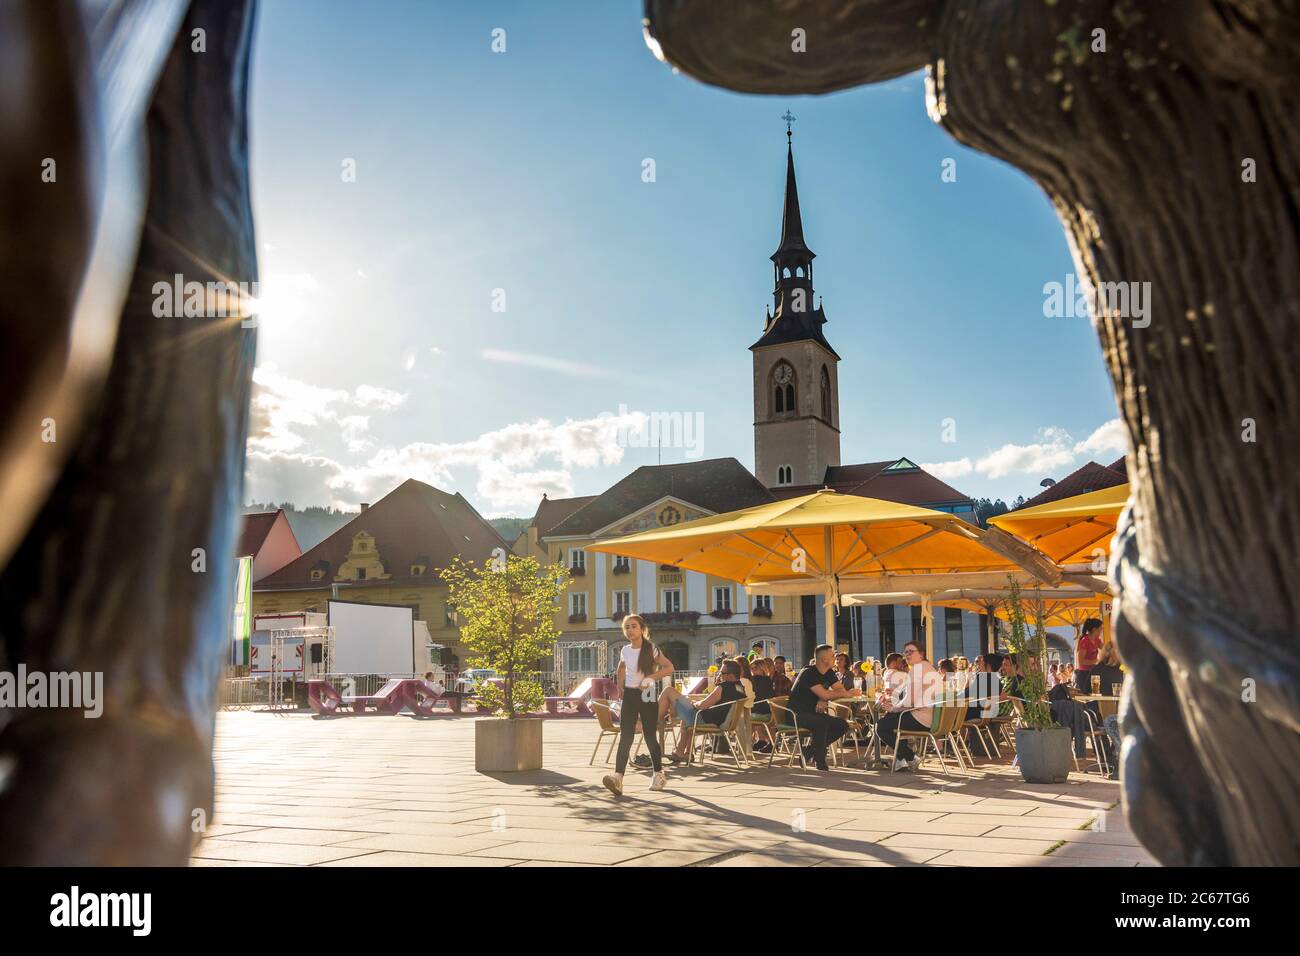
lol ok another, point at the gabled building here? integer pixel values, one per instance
(390, 553)
(267, 538)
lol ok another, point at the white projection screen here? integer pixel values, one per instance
(372, 638)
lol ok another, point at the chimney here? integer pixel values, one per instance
(365, 505)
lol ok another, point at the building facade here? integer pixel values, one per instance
(391, 553)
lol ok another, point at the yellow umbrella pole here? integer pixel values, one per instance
(927, 616)
(832, 599)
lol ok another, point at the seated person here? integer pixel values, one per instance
(909, 708)
(727, 690)
(813, 688)
(1011, 681)
(894, 676)
(844, 670)
(762, 681)
(1108, 670)
(985, 686)
(781, 682)
(948, 669)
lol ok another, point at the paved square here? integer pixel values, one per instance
(395, 791)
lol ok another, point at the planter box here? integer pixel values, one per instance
(505, 746)
(1045, 756)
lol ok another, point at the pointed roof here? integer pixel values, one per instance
(254, 527)
(791, 326)
(1088, 477)
(551, 511)
(414, 523)
(792, 240)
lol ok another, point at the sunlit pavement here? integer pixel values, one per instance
(395, 791)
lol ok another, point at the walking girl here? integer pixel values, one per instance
(640, 669)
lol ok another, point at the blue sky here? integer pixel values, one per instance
(381, 356)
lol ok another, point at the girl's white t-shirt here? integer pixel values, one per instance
(632, 677)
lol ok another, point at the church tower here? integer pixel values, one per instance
(796, 380)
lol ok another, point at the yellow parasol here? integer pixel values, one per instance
(827, 542)
(1072, 530)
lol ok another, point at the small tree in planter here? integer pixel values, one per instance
(1042, 746)
(507, 609)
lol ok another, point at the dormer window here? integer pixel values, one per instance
(317, 574)
(417, 570)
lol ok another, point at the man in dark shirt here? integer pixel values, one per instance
(815, 685)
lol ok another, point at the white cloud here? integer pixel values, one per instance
(1052, 451)
(946, 470)
(496, 455)
(353, 429)
(302, 479)
(372, 396)
(1106, 441)
(281, 404)
(293, 422)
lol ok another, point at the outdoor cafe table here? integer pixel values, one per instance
(869, 704)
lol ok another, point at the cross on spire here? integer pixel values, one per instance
(789, 118)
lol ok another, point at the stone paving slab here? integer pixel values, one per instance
(397, 792)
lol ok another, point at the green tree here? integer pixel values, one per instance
(1033, 683)
(986, 509)
(507, 608)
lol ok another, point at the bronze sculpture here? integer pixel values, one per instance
(142, 105)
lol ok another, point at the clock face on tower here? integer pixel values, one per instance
(783, 373)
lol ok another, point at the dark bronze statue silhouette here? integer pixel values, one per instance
(123, 162)
(1171, 158)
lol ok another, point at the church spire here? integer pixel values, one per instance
(791, 222)
(793, 316)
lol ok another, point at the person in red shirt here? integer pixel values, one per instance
(1087, 649)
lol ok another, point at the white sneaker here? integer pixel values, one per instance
(901, 764)
(914, 763)
(659, 782)
(614, 783)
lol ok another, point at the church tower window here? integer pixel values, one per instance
(826, 394)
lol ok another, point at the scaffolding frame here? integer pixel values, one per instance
(275, 701)
(602, 654)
